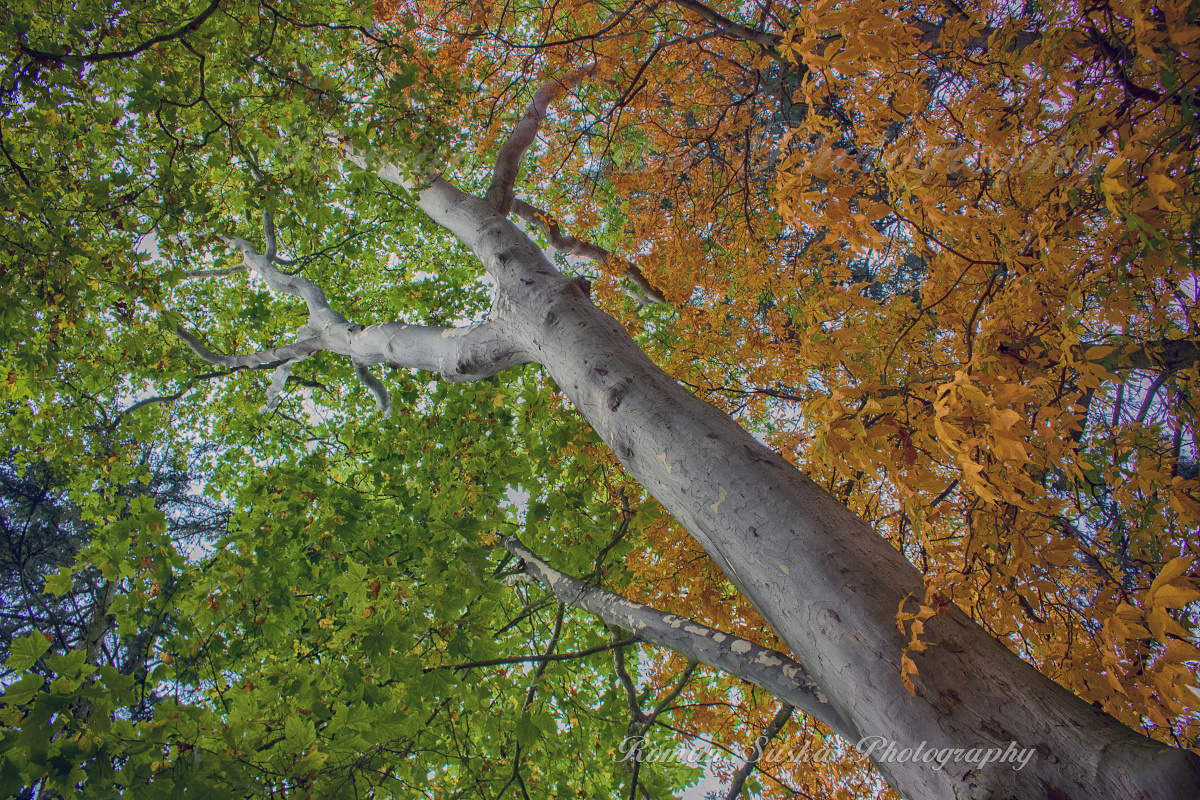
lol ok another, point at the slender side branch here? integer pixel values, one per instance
(772, 730)
(192, 26)
(215, 273)
(273, 357)
(578, 247)
(616, 644)
(670, 697)
(383, 402)
(508, 162)
(320, 314)
(560, 241)
(769, 669)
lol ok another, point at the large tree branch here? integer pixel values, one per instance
(470, 219)
(1170, 355)
(383, 402)
(1165, 354)
(508, 162)
(457, 354)
(771, 670)
(728, 27)
(215, 273)
(578, 247)
(320, 314)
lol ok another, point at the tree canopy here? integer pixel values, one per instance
(940, 256)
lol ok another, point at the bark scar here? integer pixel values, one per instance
(721, 495)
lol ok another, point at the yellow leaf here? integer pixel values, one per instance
(1170, 571)
(973, 472)
(1173, 596)
(1117, 628)
(1185, 505)
(1161, 623)
(1114, 683)
(1128, 612)
(314, 758)
(1160, 184)
(908, 667)
(1009, 449)
(1005, 419)
(1179, 651)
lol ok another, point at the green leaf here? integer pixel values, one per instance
(59, 583)
(526, 731)
(21, 692)
(26, 650)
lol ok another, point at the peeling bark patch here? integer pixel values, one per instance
(741, 647)
(663, 458)
(783, 568)
(721, 495)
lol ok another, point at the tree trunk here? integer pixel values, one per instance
(828, 585)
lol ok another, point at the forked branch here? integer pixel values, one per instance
(458, 354)
(263, 359)
(578, 247)
(508, 163)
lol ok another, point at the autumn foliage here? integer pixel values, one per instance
(943, 257)
(1008, 320)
